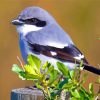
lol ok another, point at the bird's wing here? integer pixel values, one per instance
(68, 53)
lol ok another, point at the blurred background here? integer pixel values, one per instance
(80, 18)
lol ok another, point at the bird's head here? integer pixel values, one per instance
(32, 19)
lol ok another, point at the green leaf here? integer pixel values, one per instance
(46, 65)
(81, 64)
(72, 73)
(62, 83)
(91, 89)
(83, 95)
(62, 68)
(16, 68)
(75, 93)
(27, 76)
(54, 74)
(22, 75)
(54, 93)
(30, 70)
(69, 85)
(50, 70)
(85, 92)
(34, 61)
(39, 86)
(73, 98)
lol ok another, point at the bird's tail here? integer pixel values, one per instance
(92, 69)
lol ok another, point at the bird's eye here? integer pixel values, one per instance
(34, 20)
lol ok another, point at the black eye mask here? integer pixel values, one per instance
(34, 21)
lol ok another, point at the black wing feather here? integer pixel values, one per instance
(64, 54)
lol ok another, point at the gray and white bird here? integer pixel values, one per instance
(42, 36)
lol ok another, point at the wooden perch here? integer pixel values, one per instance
(26, 94)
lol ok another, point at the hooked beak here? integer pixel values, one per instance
(17, 22)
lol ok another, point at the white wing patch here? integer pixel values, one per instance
(53, 53)
(25, 29)
(79, 57)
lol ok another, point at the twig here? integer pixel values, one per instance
(20, 62)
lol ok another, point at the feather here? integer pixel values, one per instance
(67, 53)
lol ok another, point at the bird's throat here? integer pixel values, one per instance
(25, 29)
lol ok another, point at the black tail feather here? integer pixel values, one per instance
(92, 69)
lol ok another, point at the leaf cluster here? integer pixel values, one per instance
(56, 84)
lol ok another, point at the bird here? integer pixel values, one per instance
(41, 35)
